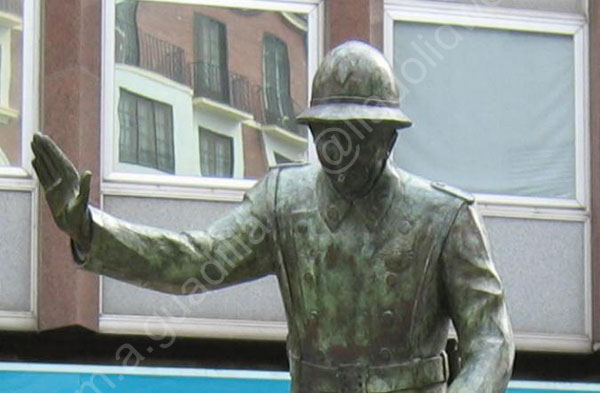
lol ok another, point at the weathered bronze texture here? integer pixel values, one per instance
(373, 263)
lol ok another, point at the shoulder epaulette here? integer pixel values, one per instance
(453, 191)
(289, 164)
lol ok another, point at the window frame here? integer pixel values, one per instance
(20, 178)
(214, 189)
(29, 111)
(202, 21)
(476, 15)
(214, 135)
(283, 103)
(154, 105)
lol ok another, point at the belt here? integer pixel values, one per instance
(359, 378)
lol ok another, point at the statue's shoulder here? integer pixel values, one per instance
(433, 190)
(290, 166)
(279, 179)
(296, 171)
(453, 191)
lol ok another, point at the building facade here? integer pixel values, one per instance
(178, 107)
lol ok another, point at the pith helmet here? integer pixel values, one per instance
(355, 82)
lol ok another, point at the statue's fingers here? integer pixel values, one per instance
(42, 156)
(59, 161)
(42, 173)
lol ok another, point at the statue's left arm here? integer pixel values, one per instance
(477, 307)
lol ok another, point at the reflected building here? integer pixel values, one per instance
(11, 64)
(208, 91)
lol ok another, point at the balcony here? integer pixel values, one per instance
(140, 49)
(268, 106)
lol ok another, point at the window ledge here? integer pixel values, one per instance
(154, 77)
(11, 20)
(222, 109)
(284, 134)
(7, 114)
(295, 21)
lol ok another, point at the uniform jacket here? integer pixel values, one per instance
(370, 286)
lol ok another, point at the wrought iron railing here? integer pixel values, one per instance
(268, 106)
(207, 79)
(210, 80)
(135, 47)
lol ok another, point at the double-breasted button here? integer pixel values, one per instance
(391, 279)
(387, 318)
(302, 227)
(309, 278)
(404, 226)
(385, 354)
(333, 213)
(314, 315)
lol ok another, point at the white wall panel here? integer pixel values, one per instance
(542, 265)
(15, 251)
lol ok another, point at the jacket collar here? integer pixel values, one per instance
(371, 208)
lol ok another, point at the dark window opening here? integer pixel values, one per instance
(210, 71)
(216, 154)
(278, 101)
(146, 132)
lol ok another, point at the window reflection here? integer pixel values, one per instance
(208, 91)
(11, 54)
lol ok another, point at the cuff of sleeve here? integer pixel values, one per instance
(79, 256)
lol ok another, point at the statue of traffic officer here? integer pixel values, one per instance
(373, 263)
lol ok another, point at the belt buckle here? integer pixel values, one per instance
(351, 378)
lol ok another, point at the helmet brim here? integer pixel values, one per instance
(334, 112)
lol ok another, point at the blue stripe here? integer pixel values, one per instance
(35, 378)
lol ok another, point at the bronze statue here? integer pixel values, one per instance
(373, 263)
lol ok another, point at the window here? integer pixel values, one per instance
(279, 109)
(494, 121)
(216, 154)
(146, 136)
(127, 48)
(12, 63)
(211, 76)
(497, 102)
(205, 60)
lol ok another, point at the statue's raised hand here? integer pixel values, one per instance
(67, 194)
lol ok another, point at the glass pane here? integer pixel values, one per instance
(164, 137)
(493, 109)
(128, 125)
(216, 153)
(242, 74)
(11, 67)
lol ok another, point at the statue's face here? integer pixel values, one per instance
(353, 153)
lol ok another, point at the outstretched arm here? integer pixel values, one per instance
(477, 307)
(234, 249)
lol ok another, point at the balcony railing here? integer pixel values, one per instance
(210, 80)
(135, 47)
(268, 106)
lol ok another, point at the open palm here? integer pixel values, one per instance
(66, 192)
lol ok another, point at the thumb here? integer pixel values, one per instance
(84, 188)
